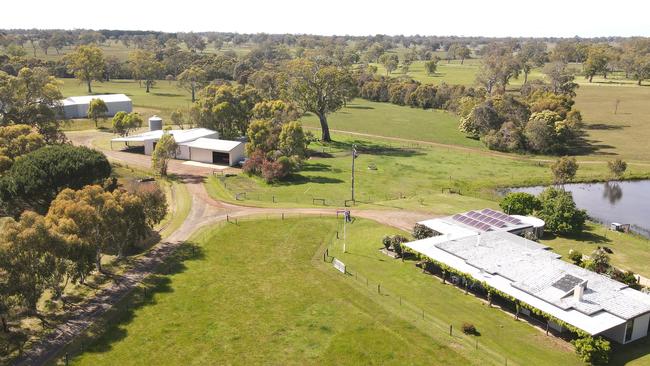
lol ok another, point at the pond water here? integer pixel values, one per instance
(625, 202)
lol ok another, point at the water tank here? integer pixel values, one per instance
(155, 123)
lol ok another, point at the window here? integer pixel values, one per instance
(629, 328)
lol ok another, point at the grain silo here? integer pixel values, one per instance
(155, 123)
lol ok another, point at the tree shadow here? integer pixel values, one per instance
(584, 146)
(296, 179)
(604, 127)
(187, 178)
(583, 237)
(352, 106)
(372, 148)
(167, 94)
(315, 167)
(111, 327)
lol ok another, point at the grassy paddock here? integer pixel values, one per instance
(258, 292)
(254, 294)
(403, 177)
(385, 119)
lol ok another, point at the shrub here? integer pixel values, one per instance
(397, 241)
(469, 328)
(422, 232)
(560, 213)
(387, 241)
(564, 169)
(627, 277)
(617, 167)
(253, 166)
(520, 203)
(594, 351)
(273, 171)
(575, 257)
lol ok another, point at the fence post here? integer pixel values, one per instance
(378, 288)
(451, 329)
(337, 234)
(227, 218)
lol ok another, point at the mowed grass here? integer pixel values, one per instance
(630, 252)
(386, 119)
(259, 293)
(622, 132)
(393, 175)
(517, 341)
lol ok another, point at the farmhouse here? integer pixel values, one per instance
(77, 107)
(196, 144)
(536, 277)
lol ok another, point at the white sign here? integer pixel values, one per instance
(339, 265)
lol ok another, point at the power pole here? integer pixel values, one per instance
(354, 156)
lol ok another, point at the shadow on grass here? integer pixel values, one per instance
(604, 127)
(373, 148)
(167, 94)
(624, 354)
(353, 106)
(583, 237)
(111, 328)
(585, 146)
(295, 179)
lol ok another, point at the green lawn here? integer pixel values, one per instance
(404, 177)
(258, 293)
(629, 251)
(385, 119)
(625, 133)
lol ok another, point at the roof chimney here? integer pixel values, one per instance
(578, 291)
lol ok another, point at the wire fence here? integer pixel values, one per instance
(416, 315)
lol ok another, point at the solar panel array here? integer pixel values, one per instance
(501, 216)
(472, 222)
(486, 220)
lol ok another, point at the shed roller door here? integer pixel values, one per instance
(220, 158)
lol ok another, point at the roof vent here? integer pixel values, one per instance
(579, 291)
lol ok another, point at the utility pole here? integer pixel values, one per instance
(345, 220)
(354, 156)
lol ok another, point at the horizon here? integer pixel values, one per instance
(507, 19)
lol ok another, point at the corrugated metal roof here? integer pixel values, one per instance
(85, 99)
(213, 144)
(527, 271)
(180, 136)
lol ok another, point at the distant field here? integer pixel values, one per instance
(117, 49)
(387, 119)
(259, 293)
(626, 132)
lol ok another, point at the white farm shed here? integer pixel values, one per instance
(207, 150)
(77, 107)
(196, 144)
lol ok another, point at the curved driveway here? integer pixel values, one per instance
(204, 211)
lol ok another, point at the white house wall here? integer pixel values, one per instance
(183, 153)
(236, 154)
(81, 110)
(148, 147)
(640, 329)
